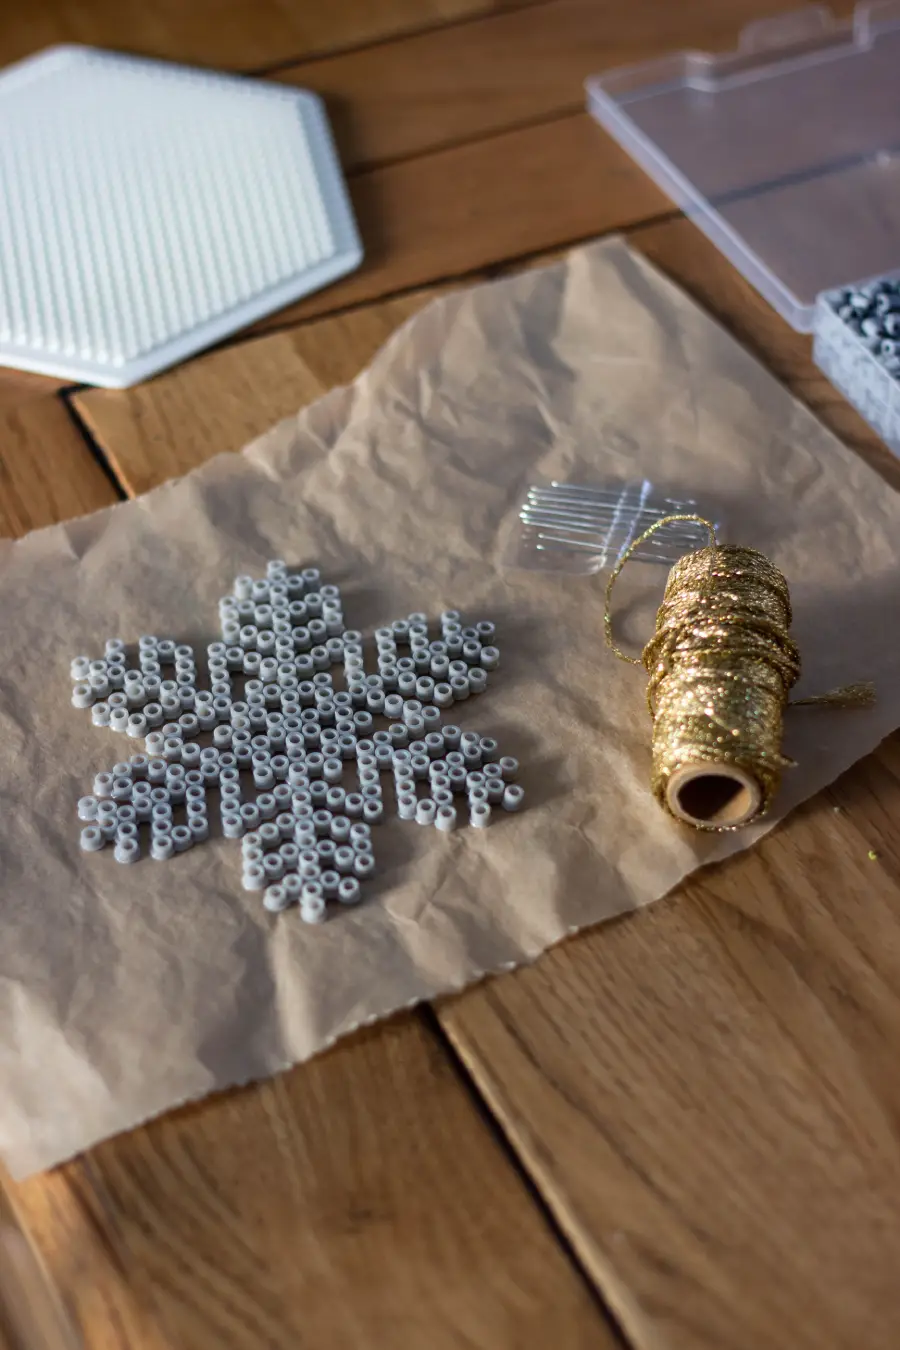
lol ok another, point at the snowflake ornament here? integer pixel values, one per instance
(305, 826)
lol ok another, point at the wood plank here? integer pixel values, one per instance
(358, 1201)
(47, 472)
(21, 386)
(705, 1092)
(221, 401)
(245, 35)
(43, 1311)
(437, 89)
(473, 206)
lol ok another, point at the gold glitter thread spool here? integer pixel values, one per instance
(721, 665)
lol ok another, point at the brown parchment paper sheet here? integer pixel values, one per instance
(126, 990)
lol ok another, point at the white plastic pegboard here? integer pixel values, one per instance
(148, 210)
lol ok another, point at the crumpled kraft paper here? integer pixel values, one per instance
(126, 990)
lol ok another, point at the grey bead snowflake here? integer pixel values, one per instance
(305, 828)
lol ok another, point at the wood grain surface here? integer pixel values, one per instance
(246, 35)
(358, 1201)
(437, 89)
(221, 401)
(706, 1092)
(47, 472)
(459, 210)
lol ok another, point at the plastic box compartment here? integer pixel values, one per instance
(786, 153)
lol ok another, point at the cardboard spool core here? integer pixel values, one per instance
(717, 796)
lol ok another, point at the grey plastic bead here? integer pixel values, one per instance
(87, 808)
(480, 815)
(82, 696)
(232, 825)
(513, 796)
(269, 834)
(267, 806)
(330, 881)
(92, 838)
(333, 770)
(182, 838)
(254, 877)
(250, 815)
(136, 726)
(127, 850)
(273, 866)
(349, 891)
(425, 811)
(277, 898)
(406, 806)
(495, 788)
(161, 847)
(363, 865)
(446, 818)
(489, 658)
(434, 744)
(100, 714)
(509, 767)
(477, 680)
(343, 859)
(290, 854)
(322, 822)
(373, 811)
(353, 805)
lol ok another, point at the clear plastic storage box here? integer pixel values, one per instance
(786, 153)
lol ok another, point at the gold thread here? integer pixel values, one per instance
(721, 665)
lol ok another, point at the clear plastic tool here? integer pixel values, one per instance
(786, 153)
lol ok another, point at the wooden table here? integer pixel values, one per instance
(680, 1131)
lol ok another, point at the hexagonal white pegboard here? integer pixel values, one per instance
(148, 210)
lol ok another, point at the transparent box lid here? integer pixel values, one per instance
(786, 152)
